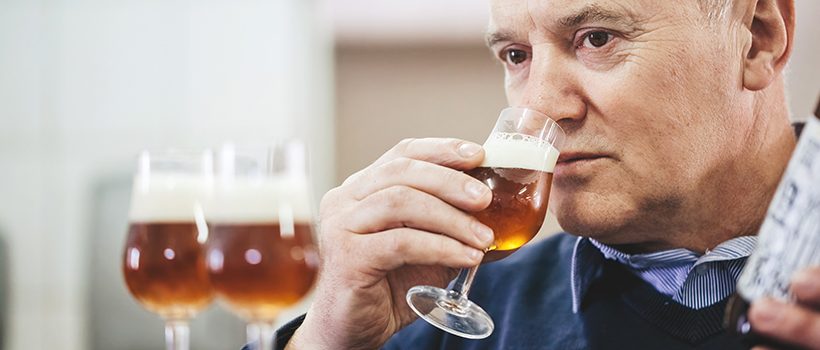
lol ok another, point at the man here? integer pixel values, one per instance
(677, 135)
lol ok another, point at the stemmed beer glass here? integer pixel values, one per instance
(164, 263)
(260, 253)
(520, 156)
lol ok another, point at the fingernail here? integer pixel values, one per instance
(765, 310)
(468, 150)
(474, 254)
(475, 189)
(483, 233)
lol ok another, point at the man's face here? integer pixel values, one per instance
(650, 97)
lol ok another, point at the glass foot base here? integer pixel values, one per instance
(450, 312)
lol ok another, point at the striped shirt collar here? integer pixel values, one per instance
(691, 279)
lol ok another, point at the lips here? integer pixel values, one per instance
(569, 157)
(579, 163)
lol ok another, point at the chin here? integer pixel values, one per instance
(605, 223)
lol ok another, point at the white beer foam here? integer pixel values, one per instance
(269, 200)
(167, 197)
(511, 150)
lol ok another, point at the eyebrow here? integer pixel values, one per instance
(592, 13)
(491, 38)
(589, 13)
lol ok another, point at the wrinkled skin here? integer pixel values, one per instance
(795, 324)
(401, 222)
(668, 117)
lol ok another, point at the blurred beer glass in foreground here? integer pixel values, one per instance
(260, 253)
(519, 159)
(164, 262)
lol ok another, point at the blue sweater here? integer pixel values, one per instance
(528, 296)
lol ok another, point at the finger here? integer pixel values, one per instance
(405, 246)
(792, 324)
(451, 153)
(760, 347)
(402, 206)
(452, 186)
(805, 284)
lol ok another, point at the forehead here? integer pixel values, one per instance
(522, 17)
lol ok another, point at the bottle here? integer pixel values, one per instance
(788, 240)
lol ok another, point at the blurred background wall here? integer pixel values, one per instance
(86, 84)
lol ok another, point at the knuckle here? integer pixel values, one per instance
(453, 143)
(395, 244)
(355, 176)
(329, 202)
(456, 179)
(394, 197)
(404, 145)
(398, 166)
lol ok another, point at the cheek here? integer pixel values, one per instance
(651, 98)
(515, 91)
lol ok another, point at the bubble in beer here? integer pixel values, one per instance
(134, 258)
(297, 253)
(169, 253)
(253, 257)
(215, 261)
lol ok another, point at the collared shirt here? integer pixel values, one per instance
(693, 280)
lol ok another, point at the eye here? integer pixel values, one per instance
(515, 57)
(597, 39)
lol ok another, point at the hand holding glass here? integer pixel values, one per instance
(519, 159)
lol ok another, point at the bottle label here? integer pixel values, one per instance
(789, 238)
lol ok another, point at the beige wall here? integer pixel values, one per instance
(385, 94)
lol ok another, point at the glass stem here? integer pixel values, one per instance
(262, 334)
(177, 335)
(464, 281)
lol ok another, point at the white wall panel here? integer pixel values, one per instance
(86, 84)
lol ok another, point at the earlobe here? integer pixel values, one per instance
(772, 32)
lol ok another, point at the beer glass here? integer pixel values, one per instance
(260, 252)
(520, 156)
(163, 262)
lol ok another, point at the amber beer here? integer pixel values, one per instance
(164, 262)
(517, 209)
(164, 268)
(261, 257)
(258, 271)
(518, 169)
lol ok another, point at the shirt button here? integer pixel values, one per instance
(702, 269)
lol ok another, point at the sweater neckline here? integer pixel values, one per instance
(691, 325)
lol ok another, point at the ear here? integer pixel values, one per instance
(772, 31)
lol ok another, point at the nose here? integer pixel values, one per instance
(555, 89)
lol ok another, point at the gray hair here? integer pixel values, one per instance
(715, 10)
